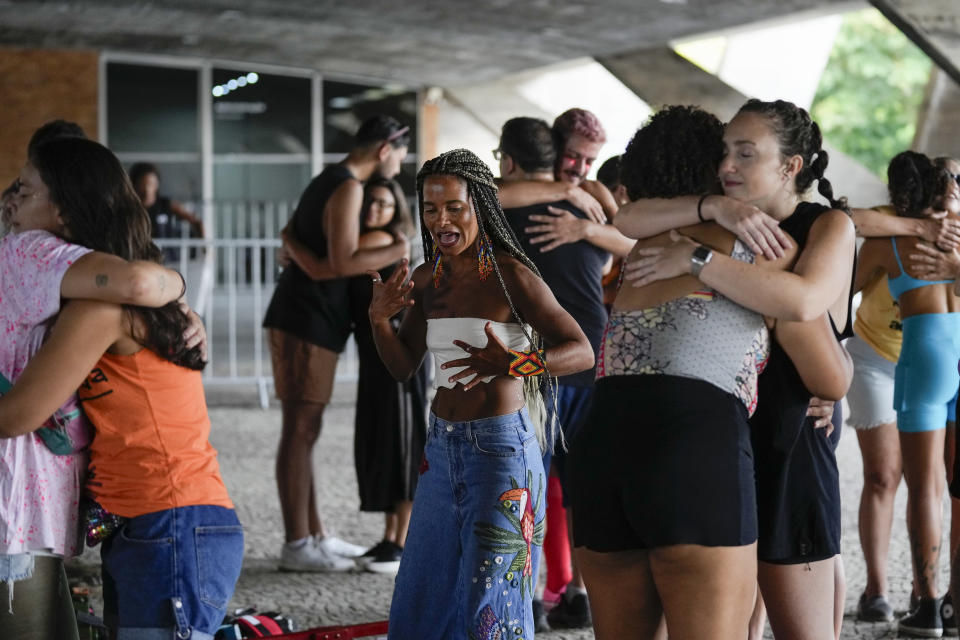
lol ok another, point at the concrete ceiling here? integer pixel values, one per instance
(933, 25)
(415, 42)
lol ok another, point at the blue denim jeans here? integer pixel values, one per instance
(573, 408)
(170, 574)
(473, 548)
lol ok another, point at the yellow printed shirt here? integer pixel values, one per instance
(878, 318)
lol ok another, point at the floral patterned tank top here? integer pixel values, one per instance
(702, 335)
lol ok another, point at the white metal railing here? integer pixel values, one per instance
(230, 280)
(229, 283)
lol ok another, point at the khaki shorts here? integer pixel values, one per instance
(302, 371)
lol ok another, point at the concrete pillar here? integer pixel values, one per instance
(660, 77)
(938, 123)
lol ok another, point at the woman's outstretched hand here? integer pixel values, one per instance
(390, 296)
(659, 263)
(491, 360)
(760, 232)
(933, 264)
(943, 232)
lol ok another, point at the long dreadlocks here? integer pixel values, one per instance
(493, 227)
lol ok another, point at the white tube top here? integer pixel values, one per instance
(441, 332)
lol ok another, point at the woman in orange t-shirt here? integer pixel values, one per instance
(173, 564)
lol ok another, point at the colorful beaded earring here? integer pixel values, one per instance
(437, 267)
(484, 258)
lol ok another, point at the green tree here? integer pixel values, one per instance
(871, 90)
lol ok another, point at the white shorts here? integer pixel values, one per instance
(871, 391)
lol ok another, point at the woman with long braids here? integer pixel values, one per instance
(773, 154)
(926, 378)
(493, 328)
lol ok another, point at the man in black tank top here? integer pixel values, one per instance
(574, 272)
(309, 322)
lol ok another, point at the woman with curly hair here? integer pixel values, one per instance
(669, 523)
(483, 312)
(926, 378)
(772, 155)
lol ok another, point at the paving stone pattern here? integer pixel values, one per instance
(246, 438)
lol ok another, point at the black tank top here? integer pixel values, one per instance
(798, 497)
(798, 226)
(782, 398)
(315, 311)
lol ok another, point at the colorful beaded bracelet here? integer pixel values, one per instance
(526, 363)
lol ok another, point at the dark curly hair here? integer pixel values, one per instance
(915, 183)
(676, 153)
(101, 211)
(799, 135)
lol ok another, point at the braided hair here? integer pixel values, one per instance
(493, 227)
(799, 135)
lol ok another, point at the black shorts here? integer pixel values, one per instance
(955, 472)
(663, 460)
(798, 483)
(573, 410)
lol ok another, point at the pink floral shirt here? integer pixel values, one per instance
(39, 491)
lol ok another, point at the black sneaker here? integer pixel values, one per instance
(874, 609)
(572, 612)
(949, 616)
(387, 560)
(364, 560)
(539, 617)
(924, 622)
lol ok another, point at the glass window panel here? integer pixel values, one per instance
(260, 181)
(179, 181)
(347, 105)
(152, 108)
(269, 113)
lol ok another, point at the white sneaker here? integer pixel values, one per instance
(335, 546)
(309, 556)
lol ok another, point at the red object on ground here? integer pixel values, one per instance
(349, 632)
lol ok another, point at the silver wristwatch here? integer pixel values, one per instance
(701, 256)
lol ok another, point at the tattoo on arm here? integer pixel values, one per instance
(101, 279)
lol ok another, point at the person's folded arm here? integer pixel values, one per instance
(102, 276)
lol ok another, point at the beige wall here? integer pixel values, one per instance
(38, 85)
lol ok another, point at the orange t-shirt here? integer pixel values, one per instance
(151, 448)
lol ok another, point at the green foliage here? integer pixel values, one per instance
(870, 92)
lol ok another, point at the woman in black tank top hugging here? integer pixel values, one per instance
(669, 520)
(772, 154)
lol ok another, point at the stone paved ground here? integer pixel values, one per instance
(246, 439)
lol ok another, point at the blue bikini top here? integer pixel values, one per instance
(904, 282)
